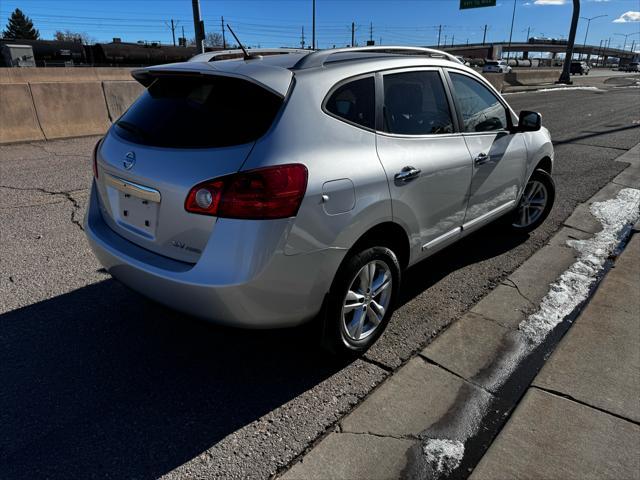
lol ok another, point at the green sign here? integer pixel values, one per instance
(476, 3)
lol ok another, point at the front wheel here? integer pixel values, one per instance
(361, 301)
(536, 202)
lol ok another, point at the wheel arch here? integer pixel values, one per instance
(388, 234)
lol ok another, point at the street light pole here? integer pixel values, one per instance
(313, 27)
(626, 35)
(513, 17)
(565, 76)
(584, 45)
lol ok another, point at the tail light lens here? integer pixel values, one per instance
(94, 158)
(266, 193)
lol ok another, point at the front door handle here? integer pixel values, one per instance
(407, 174)
(481, 159)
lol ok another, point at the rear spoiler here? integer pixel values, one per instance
(274, 79)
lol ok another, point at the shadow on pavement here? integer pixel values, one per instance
(101, 382)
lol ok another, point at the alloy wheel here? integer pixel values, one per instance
(532, 205)
(367, 300)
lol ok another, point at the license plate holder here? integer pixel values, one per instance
(138, 214)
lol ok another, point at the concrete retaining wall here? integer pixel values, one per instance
(18, 120)
(48, 103)
(76, 74)
(119, 95)
(70, 109)
(495, 79)
(534, 76)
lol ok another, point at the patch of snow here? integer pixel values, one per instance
(443, 455)
(593, 89)
(573, 286)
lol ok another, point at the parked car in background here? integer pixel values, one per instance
(580, 67)
(496, 66)
(280, 187)
(463, 61)
(630, 67)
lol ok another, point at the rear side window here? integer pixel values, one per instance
(415, 103)
(200, 112)
(355, 102)
(481, 111)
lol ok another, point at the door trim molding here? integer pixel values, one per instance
(489, 214)
(436, 241)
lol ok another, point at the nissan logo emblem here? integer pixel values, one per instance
(129, 160)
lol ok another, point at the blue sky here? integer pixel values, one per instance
(271, 23)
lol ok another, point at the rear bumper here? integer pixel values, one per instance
(242, 278)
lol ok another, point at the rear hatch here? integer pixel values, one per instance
(185, 129)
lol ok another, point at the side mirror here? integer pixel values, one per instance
(529, 121)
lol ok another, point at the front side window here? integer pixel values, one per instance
(481, 111)
(415, 103)
(355, 102)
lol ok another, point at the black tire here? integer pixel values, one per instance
(545, 179)
(335, 337)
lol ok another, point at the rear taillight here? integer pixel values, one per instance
(266, 193)
(94, 159)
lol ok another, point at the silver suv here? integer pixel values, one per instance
(270, 190)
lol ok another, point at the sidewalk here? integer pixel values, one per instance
(580, 417)
(444, 409)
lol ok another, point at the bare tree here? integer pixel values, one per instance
(69, 36)
(213, 39)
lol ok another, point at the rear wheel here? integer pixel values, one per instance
(361, 301)
(536, 202)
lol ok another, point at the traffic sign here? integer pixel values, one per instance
(476, 3)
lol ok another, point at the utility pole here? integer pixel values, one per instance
(453, 37)
(302, 38)
(513, 17)
(439, 33)
(184, 39)
(584, 44)
(224, 40)
(173, 30)
(353, 34)
(445, 41)
(313, 28)
(565, 76)
(198, 26)
(371, 32)
(528, 33)
(484, 36)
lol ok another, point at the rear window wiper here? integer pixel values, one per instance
(131, 128)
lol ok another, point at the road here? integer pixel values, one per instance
(99, 382)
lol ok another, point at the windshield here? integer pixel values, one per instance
(198, 112)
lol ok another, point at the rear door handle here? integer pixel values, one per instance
(407, 174)
(481, 159)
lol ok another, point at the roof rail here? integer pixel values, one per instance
(238, 53)
(318, 58)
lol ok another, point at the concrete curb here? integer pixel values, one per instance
(455, 372)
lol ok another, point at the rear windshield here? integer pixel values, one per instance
(492, 63)
(198, 112)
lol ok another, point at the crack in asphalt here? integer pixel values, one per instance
(67, 194)
(573, 399)
(56, 154)
(378, 364)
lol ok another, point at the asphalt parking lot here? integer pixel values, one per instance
(99, 382)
